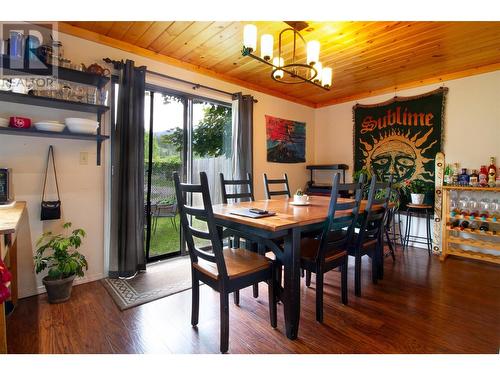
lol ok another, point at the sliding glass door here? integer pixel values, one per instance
(186, 134)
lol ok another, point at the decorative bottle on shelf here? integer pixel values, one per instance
(473, 226)
(492, 172)
(463, 178)
(474, 178)
(464, 224)
(448, 171)
(483, 176)
(454, 176)
(484, 205)
(484, 227)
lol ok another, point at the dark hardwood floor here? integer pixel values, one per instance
(421, 306)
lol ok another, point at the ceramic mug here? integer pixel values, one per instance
(301, 199)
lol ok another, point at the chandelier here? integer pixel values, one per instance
(293, 71)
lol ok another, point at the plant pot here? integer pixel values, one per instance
(417, 198)
(58, 290)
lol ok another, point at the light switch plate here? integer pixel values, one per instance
(84, 158)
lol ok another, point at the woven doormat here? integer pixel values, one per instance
(160, 280)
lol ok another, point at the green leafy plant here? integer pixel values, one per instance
(58, 253)
(415, 187)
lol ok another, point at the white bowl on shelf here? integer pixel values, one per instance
(81, 125)
(49, 126)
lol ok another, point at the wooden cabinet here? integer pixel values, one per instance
(467, 242)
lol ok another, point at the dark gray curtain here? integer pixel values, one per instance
(242, 132)
(127, 182)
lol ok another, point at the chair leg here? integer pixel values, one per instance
(273, 314)
(236, 297)
(255, 290)
(357, 275)
(224, 321)
(319, 296)
(389, 242)
(308, 278)
(375, 265)
(343, 280)
(195, 299)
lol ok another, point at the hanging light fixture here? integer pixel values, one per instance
(293, 71)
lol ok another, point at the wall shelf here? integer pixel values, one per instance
(59, 72)
(40, 101)
(32, 132)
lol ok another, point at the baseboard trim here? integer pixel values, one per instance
(41, 289)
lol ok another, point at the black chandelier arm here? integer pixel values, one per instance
(248, 52)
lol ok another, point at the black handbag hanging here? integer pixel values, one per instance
(51, 210)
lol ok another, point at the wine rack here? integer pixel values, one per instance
(467, 242)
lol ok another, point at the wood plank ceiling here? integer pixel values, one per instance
(366, 57)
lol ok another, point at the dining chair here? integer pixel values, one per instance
(223, 269)
(280, 181)
(243, 184)
(242, 190)
(330, 251)
(369, 240)
(353, 190)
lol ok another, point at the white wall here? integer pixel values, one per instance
(83, 186)
(472, 124)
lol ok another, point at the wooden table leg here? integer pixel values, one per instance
(3, 330)
(291, 291)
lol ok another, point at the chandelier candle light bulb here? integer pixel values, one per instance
(250, 37)
(266, 46)
(278, 73)
(326, 77)
(313, 52)
(318, 67)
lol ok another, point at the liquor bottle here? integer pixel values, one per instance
(464, 224)
(484, 227)
(463, 178)
(474, 178)
(454, 224)
(473, 226)
(492, 172)
(483, 176)
(454, 177)
(447, 174)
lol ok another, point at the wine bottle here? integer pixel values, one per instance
(492, 172)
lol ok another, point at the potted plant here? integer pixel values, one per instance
(57, 252)
(417, 189)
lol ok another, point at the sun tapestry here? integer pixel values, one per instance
(286, 140)
(400, 136)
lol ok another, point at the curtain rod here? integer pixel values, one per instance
(117, 65)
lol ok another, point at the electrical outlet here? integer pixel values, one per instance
(84, 158)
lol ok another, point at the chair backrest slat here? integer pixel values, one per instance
(376, 210)
(282, 181)
(206, 213)
(334, 234)
(242, 183)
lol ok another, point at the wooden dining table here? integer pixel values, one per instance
(288, 224)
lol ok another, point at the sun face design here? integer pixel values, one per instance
(396, 152)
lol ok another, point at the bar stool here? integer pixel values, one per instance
(414, 210)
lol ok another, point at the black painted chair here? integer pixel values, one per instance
(242, 190)
(330, 251)
(369, 241)
(280, 181)
(224, 270)
(243, 184)
(352, 190)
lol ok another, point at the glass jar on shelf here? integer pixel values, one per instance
(473, 208)
(495, 210)
(484, 206)
(454, 210)
(463, 205)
